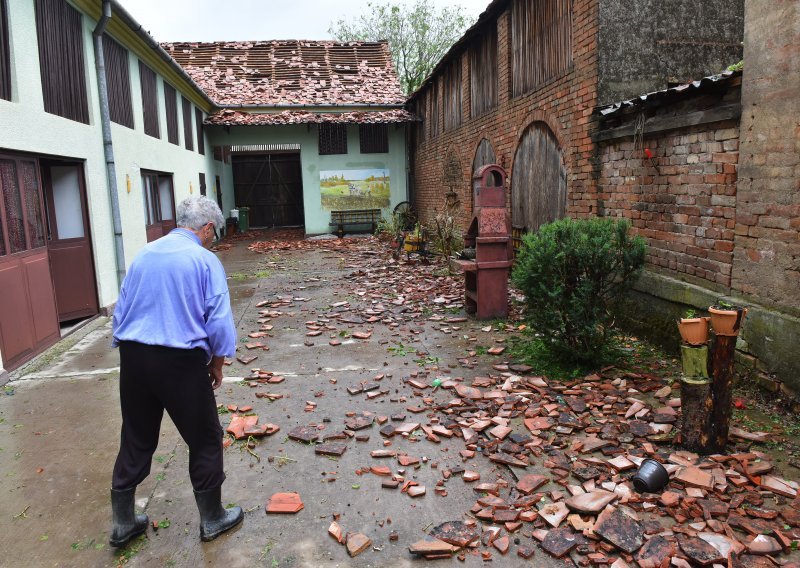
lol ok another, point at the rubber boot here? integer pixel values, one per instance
(214, 518)
(126, 523)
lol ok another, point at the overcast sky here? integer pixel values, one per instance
(214, 20)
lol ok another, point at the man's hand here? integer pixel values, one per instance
(215, 371)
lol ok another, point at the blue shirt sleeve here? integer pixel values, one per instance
(219, 324)
(119, 311)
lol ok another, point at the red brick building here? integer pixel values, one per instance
(532, 87)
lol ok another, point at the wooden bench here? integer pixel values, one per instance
(354, 218)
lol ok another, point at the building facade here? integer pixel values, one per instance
(80, 195)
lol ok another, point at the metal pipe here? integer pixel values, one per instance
(108, 146)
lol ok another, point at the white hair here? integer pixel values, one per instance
(198, 210)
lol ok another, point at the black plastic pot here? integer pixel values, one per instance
(651, 477)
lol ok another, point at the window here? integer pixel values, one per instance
(187, 124)
(332, 139)
(541, 42)
(433, 95)
(60, 36)
(374, 138)
(21, 220)
(198, 126)
(159, 204)
(149, 100)
(118, 79)
(452, 94)
(203, 189)
(483, 77)
(171, 108)
(5, 54)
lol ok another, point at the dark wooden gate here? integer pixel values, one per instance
(69, 241)
(271, 186)
(538, 180)
(483, 155)
(28, 321)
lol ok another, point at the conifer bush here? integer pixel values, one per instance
(572, 273)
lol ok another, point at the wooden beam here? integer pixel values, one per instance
(656, 124)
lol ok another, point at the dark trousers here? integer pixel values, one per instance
(153, 379)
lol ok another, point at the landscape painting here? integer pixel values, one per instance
(345, 190)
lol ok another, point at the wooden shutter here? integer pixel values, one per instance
(198, 126)
(203, 190)
(187, 124)
(171, 109)
(5, 54)
(60, 36)
(332, 139)
(541, 42)
(147, 79)
(373, 138)
(451, 95)
(118, 79)
(483, 76)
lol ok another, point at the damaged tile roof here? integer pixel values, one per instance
(667, 95)
(289, 72)
(231, 117)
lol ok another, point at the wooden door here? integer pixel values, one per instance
(538, 180)
(69, 240)
(28, 320)
(271, 186)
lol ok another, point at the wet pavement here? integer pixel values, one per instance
(59, 426)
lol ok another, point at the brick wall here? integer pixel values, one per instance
(767, 255)
(565, 104)
(682, 200)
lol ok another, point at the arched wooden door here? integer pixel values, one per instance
(538, 180)
(484, 155)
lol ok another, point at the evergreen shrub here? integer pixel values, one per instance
(572, 273)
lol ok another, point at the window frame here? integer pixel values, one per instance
(332, 138)
(118, 80)
(188, 135)
(148, 80)
(62, 61)
(5, 54)
(171, 112)
(155, 197)
(200, 131)
(373, 138)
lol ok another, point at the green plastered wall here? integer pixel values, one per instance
(26, 127)
(317, 219)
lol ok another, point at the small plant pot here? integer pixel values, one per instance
(413, 244)
(727, 321)
(652, 477)
(694, 331)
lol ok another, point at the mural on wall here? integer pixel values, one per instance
(354, 189)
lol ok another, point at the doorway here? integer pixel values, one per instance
(271, 185)
(69, 241)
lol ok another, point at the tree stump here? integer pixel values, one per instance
(694, 360)
(696, 410)
(722, 353)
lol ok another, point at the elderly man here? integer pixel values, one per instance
(174, 327)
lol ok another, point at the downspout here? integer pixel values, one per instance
(108, 147)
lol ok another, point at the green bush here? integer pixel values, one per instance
(572, 272)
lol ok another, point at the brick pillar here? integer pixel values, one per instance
(768, 190)
(504, 57)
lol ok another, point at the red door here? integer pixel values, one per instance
(28, 320)
(69, 241)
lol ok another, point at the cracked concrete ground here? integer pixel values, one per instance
(60, 428)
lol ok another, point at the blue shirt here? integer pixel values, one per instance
(176, 295)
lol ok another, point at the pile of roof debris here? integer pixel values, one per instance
(568, 451)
